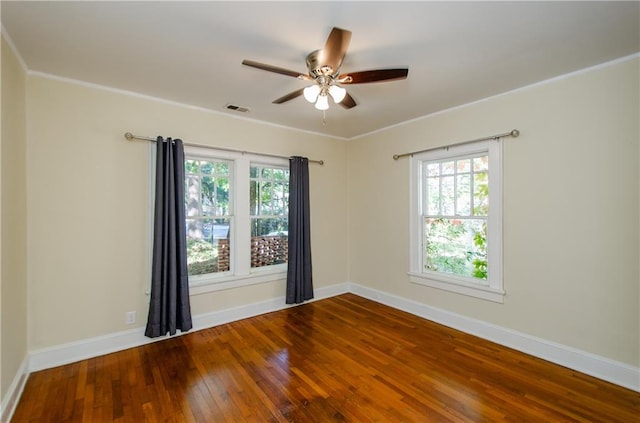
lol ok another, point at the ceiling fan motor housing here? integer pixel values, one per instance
(316, 69)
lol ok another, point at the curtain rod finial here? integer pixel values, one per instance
(515, 133)
(396, 157)
(128, 136)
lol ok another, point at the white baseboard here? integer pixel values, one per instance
(601, 367)
(100, 345)
(10, 400)
(208, 320)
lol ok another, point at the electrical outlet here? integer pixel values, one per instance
(131, 317)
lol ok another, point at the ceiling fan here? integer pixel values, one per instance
(324, 70)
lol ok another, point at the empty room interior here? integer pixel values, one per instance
(387, 211)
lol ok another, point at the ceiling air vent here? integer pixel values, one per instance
(237, 108)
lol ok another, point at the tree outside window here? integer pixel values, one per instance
(208, 215)
(455, 215)
(269, 210)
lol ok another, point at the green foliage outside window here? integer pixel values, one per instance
(269, 201)
(457, 246)
(456, 234)
(208, 208)
(202, 257)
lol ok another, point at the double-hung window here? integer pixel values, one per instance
(456, 220)
(209, 214)
(269, 205)
(236, 208)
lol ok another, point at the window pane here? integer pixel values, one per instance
(433, 196)
(192, 196)
(480, 163)
(433, 169)
(481, 194)
(279, 174)
(222, 168)
(264, 226)
(457, 246)
(269, 241)
(266, 196)
(463, 195)
(208, 245)
(253, 198)
(464, 166)
(279, 205)
(208, 195)
(222, 197)
(448, 196)
(191, 166)
(267, 173)
(448, 168)
(206, 168)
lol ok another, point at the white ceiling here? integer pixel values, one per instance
(191, 52)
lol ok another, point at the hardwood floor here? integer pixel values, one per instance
(344, 359)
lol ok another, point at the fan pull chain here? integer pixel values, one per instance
(324, 118)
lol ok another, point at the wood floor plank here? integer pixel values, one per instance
(343, 359)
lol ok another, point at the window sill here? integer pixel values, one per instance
(207, 284)
(453, 284)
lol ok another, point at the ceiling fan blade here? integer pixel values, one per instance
(289, 96)
(377, 75)
(335, 49)
(347, 102)
(274, 69)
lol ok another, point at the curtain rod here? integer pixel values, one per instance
(513, 133)
(129, 136)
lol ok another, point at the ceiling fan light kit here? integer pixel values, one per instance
(337, 93)
(323, 68)
(311, 93)
(323, 102)
(319, 92)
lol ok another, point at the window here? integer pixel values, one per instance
(236, 208)
(209, 214)
(269, 203)
(456, 220)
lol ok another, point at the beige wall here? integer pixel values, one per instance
(88, 201)
(571, 220)
(13, 247)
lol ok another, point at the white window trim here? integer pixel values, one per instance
(493, 290)
(241, 273)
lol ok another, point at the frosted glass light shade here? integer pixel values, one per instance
(323, 102)
(337, 93)
(311, 93)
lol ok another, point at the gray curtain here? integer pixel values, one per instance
(169, 308)
(299, 281)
